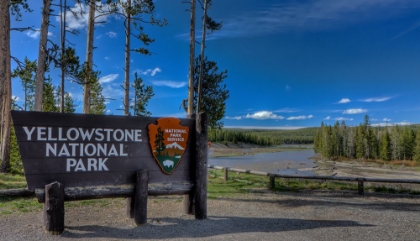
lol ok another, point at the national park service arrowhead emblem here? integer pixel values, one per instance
(168, 141)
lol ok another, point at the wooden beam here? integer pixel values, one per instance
(200, 199)
(54, 208)
(111, 191)
(140, 197)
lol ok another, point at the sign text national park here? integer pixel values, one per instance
(97, 150)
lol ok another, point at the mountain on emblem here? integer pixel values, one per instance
(168, 141)
(174, 146)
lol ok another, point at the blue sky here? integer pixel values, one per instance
(290, 63)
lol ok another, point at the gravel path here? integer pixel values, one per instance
(256, 216)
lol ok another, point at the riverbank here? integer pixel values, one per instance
(316, 165)
(243, 149)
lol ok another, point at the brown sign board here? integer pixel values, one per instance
(92, 150)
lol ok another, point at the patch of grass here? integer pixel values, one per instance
(237, 184)
(12, 181)
(391, 190)
(10, 205)
(242, 183)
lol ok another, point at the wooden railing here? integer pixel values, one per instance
(360, 180)
(272, 176)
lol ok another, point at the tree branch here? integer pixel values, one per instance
(23, 29)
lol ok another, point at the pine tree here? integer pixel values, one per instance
(360, 141)
(69, 106)
(142, 95)
(49, 97)
(417, 146)
(351, 151)
(407, 140)
(26, 74)
(385, 146)
(97, 101)
(214, 92)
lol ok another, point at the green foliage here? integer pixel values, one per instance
(137, 10)
(385, 146)
(263, 137)
(71, 63)
(69, 105)
(16, 6)
(213, 92)
(416, 156)
(142, 95)
(49, 97)
(97, 100)
(367, 142)
(16, 166)
(26, 74)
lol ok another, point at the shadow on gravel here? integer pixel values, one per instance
(336, 200)
(213, 226)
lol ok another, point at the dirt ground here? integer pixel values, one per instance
(254, 216)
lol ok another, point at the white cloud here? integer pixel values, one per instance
(343, 119)
(108, 78)
(16, 98)
(344, 101)
(111, 34)
(234, 118)
(403, 123)
(386, 119)
(107, 58)
(264, 115)
(35, 34)
(169, 83)
(302, 117)
(355, 111)
(288, 87)
(151, 72)
(327, 118)
(113, 90)
(380, 99)
(80, 19)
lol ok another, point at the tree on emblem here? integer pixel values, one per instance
(159, 144)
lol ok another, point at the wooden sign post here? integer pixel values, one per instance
(77, 156)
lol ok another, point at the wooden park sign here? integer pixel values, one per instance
(78, 156)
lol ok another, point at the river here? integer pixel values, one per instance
(285, 162)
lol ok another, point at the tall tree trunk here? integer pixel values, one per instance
(89, 57)
(203, 43)
(192, 57)
(5, 87)
(127, 61)
(63, 46)
(42, 54)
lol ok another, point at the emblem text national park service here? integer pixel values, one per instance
(168, 141)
